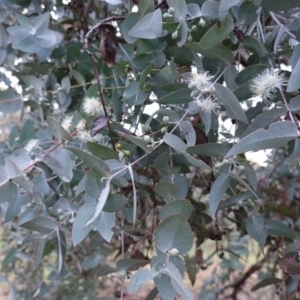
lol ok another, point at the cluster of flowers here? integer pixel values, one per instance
(91, 107)
(265, 84)
(203, 92)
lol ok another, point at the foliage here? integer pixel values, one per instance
(122, 164)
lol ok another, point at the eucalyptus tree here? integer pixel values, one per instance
(127, 157)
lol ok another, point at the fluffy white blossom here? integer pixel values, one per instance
(93, 107)
(30, 145)
(81, 125)
(208, 104)
(85, 136)
(266, 83)
(200, 80)
(66, 123)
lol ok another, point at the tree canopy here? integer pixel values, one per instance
(126, 129)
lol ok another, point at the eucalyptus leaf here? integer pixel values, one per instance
(276, 136)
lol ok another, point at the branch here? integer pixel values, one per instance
(237, 285)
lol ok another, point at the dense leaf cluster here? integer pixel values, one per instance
(130, 161)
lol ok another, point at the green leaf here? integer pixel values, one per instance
(145, 7)
(249, 73)
(276, 136)
(255, 226)
(114, 203)
(277, 228)
(102, 152)
(184, 31)
(166, 190)
(106, 223)
(183, 207)
(79, 230)
(143, 77)
(61, 164)
(278, 5)
(216, 35)
(93, 162)
(24, 21)
(136, 141)
(149, 27)
(13, 208)
(264, 119)
(133, 95)
(61, 248)
(57, 130)
(101, 202)
(159, 269)
(266, 282)
(173, 116)
(231, 103)
(40, 253)
(225, 5)
(43, 225)
(210, 9)
(294, 82)
(218, 52)
(37, 83)
(8, 191)
(162, 165)
(210, 149)
(180, 147)
(189, 132)
(131, 20)
(177, 97)
(217, 192)
(294, 105)
(134, 194)
(254, 45)
(174, 232)
(10, 101)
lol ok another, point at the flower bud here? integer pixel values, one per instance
(122, 274)
(168, 16)
(171, 10)
(175, 35)
(194, 28)
(173, 252)
(147, 138)
(166, 119)
(202, 23)
(164, 130)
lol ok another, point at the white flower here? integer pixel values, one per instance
(84, 136)
(30, 145)
(208, 105)
(67, 123)
(81, 125)
(266, 83)
(92, 107)
(200, 80)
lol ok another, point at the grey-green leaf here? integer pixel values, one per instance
(256, 228)
(217, 192)
(276, 136)
(149, 27)
(231, 103)
(174, 232)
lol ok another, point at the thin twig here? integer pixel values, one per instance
(86, 49)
